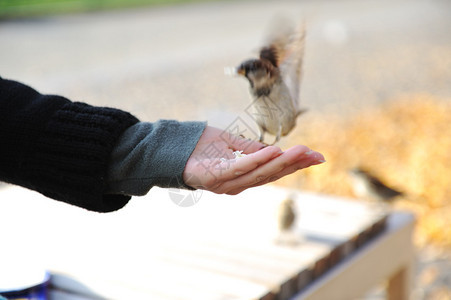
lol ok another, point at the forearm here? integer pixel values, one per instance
(57, 147)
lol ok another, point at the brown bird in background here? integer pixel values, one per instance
(286, 218)
(286, 215)
(275, 79)
(368, 186)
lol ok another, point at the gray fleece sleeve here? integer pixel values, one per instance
(152, 154)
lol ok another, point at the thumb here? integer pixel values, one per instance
(241, 143)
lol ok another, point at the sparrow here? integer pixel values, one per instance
(275, 79)
(286, 215)
(368, 186)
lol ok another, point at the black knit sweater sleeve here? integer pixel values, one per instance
(58, 147)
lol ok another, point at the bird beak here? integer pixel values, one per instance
(240, 71)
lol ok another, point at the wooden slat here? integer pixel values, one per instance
(222, 248)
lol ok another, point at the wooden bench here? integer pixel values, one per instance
(221, 248)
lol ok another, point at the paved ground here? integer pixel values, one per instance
(168, 62)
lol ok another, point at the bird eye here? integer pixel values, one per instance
(247, 67)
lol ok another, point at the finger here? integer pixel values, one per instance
(242, 144)
(287, 160)
(217, 171)
(230, 169)
(290, 161)
(275, 177)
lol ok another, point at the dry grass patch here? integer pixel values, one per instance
(407, 142)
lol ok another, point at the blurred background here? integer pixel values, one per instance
(376, 82)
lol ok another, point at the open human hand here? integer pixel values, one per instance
(212, 166)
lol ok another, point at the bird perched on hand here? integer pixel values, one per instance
(366, 185)
(275, 79)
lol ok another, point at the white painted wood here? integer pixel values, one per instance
(221, 248)
(375, 262)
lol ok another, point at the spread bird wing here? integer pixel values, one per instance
(285, 50)
(276, 41)
(291, 66)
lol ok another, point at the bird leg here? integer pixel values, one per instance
(278, 135)
(301, 111)
(262, 134)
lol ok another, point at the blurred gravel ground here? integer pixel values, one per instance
(168, 62)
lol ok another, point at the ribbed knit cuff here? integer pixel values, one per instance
(152, 154)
